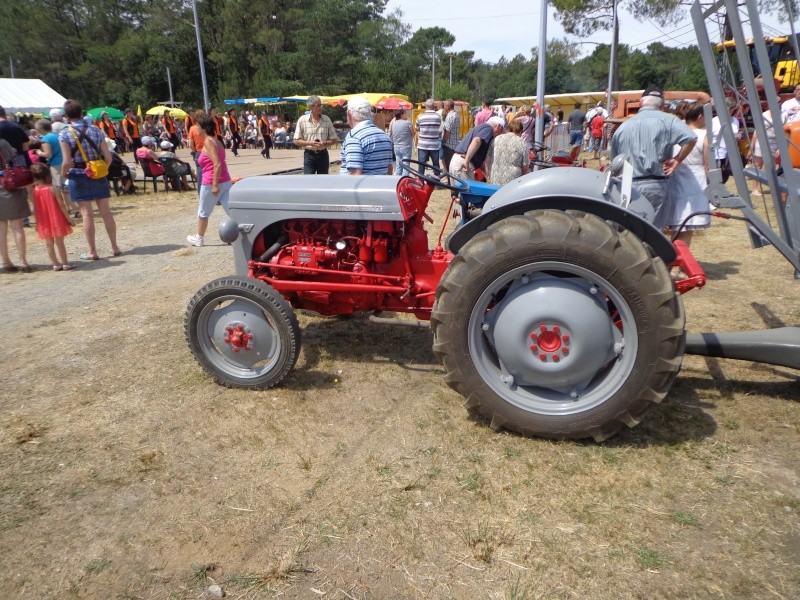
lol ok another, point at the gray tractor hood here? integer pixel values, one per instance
(372, 197)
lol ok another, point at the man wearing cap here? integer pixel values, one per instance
(648, 138)
(314, 133)
(366, 150)
(181, 168)
(472, 151)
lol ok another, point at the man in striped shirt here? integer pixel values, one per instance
(427, 133)
(366, 150)
(648, 138)
(451, 132)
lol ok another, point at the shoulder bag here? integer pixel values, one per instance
(95, 169)
(14, 177)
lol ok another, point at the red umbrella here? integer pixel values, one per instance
(393, 104)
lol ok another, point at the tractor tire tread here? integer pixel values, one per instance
(570, 228)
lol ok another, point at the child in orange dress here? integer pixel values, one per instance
(52, 222)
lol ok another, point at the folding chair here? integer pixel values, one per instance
(147, 171)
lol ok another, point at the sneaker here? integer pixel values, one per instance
(195, 240)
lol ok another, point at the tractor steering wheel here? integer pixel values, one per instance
(438, 176)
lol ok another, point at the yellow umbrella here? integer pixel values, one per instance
(174, 112)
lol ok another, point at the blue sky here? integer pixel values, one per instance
(513, 28)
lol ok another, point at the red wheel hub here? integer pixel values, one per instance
(238, 337)
(550, 340)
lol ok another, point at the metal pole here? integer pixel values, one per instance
(611, 65)
(206, 103)
(433, 72)
(11, 64)
(169, 83)
(540, 74)
(450, 56)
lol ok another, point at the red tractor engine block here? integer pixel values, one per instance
(349, 246)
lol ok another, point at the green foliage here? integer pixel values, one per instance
(582, 17)
(117, 52)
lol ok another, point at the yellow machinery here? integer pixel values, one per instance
(783, 61)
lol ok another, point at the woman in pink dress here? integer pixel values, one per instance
(215, 181)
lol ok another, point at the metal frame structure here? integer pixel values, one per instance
(780, 346)
(787, 239)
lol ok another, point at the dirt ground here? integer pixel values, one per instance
(125, 472)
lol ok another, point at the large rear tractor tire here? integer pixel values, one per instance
(242, 332)
(558, 324)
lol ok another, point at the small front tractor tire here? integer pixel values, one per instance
(242, 332)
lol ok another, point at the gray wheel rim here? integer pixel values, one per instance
(565, 388)
(233, 313)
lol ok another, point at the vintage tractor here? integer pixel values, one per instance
(552, 309)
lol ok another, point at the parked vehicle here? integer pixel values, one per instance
(551, 306)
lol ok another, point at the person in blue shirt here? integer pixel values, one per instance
(366, 150)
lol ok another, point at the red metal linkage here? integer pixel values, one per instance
(685, 260)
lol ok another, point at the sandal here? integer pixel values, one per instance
(117, 253)
(57, 268)
(67, 267)
(26, 269)
(87, 256)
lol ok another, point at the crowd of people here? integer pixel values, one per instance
(668, 150)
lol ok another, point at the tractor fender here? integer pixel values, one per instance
(567, 189)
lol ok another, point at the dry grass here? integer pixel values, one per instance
(126, 473)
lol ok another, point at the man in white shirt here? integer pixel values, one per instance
(790, 110)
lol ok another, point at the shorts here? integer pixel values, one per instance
(55, 174)
(209, 200)
(83, 189)
(457, 162)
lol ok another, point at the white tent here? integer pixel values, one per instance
(28, 96)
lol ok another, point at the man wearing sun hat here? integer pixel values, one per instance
(648, 138)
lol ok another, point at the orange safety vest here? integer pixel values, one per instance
(218, 126)
(263, 124)
(108, 129)
(169, 124)
(132, 127)
(233, 125)
(188, 122)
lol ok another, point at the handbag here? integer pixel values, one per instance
(15, 177)
(95, 169)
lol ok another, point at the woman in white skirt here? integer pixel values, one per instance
(687, 183)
